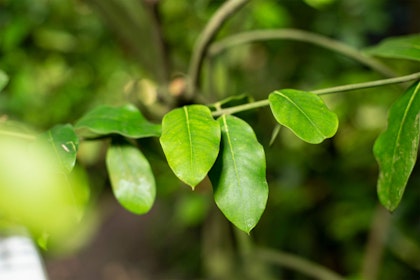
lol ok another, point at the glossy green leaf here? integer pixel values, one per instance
(131, 177)
(304, 113)
(190, 140)
(406, 47)
(65, 143)
(125, 120)
(396, 148)
(238, 176)
(4, 79)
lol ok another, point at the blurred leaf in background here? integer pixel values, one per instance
(63, 57)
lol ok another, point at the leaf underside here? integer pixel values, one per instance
(303, 113)
(238, 176)
(125, 120)
(396, 148)
(131, 177)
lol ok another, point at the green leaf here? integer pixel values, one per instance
(65, 143)
(238, 176)
(396, 148)
(190, 140)
(34, 194)
(131, 177)
(304, 113)
(405, 47)
(125, 120)
(4, 79)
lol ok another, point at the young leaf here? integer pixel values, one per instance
(405, 47)
(125, 120)
(190, 140)
(238, 176)
(65, 143)
(396, 148)
(131, 177)
(304, 113)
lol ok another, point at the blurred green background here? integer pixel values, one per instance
(64, 57)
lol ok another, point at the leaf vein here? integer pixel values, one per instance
(231, 150)
(397, 139)
(187, 119)
(302, 111)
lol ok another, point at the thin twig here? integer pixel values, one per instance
(204, 40)
(304, 36)
(375, 244)
(351, 87)
(159, 38)
(297, 263)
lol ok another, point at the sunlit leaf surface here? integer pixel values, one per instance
(304, 113)
(190, 140)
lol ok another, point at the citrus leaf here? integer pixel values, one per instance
(131, 177)
(65, 143)
(405, 47)
(304, 113)
(396, 148)
(125, 120)
(238, 176)
(190, 140)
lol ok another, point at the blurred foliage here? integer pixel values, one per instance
(65, 56)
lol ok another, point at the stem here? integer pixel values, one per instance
(240, 108)
(203, 42)
(377, 83)
(131, 23)
(303, 36)
(375, 245)
(160, 43)
(299, 264)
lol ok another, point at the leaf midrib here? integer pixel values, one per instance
(303, 112)
(231, 150)
(397, 140)
(187, 120)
